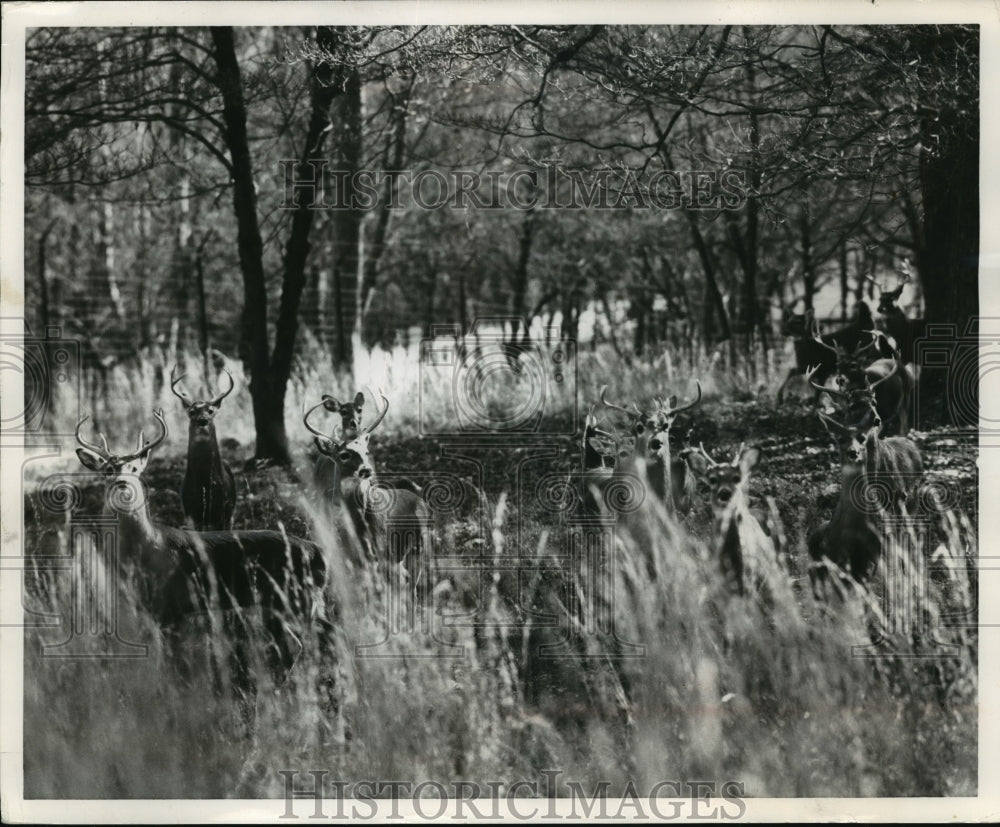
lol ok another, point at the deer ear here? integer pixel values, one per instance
(324, 445)
(330, 404)
(672, 402)
(95, 462)
(748, 459)
(359, 401)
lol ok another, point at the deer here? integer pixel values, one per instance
(189, 571)
(813, 349)
(874, 468)
(885, 380)
(350, 413)
(602, 450)
(743, 532)
(895, 322)
(350, 428)
(652, 456)
(391, 523)
(208, 490)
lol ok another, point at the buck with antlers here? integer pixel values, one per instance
(895, 322)
(208, 490)
(394, 523)
(878, 473)
(195, 571)
(654, 445)
(745, 549)
(822, 351)
(885, 380)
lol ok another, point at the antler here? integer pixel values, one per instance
(887, 377)
(149, 446)
(690, 405)
(832, 391)
(830, 421)
(182, 394)
(612, 405)
(232, 384)
(739, 453)
(874, 281)
(862, 348)
(310, 428)
(380, 417)
(836, 351)
(704, 453)
(104, 452)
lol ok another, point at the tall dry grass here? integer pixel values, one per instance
(864, 693)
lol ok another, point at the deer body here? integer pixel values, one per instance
(649, 455)
(875, 470)
(741, 539)
(208, 490)
(391, 523)
(895, 322)
(601, 453)
(192, 571)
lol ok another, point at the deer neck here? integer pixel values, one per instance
(140, 537)
(849, 512)
(659, 476)
(203, 447)
(895, 321)
(351, 492)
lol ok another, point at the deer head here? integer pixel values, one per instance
(350, 413)
(121, 471)
(724, 479)
(350, 453)
(601, 448)
(887, 301)
(796, 325)
(651, 429)
(663, 421)
(201, 413)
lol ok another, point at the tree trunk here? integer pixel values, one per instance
(519, 287)
(749, 310)
(43, 279)
(347, 227)
(845, 288)
(711, 283)
(948, 259)
(272, 442)
(808, 274)
(323, 92)
(394, 163)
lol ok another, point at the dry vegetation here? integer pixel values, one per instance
(782, 692)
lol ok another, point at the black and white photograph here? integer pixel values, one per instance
(498, 412)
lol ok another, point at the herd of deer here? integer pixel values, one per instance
(209, 563)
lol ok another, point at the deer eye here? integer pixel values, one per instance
(345, 455)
